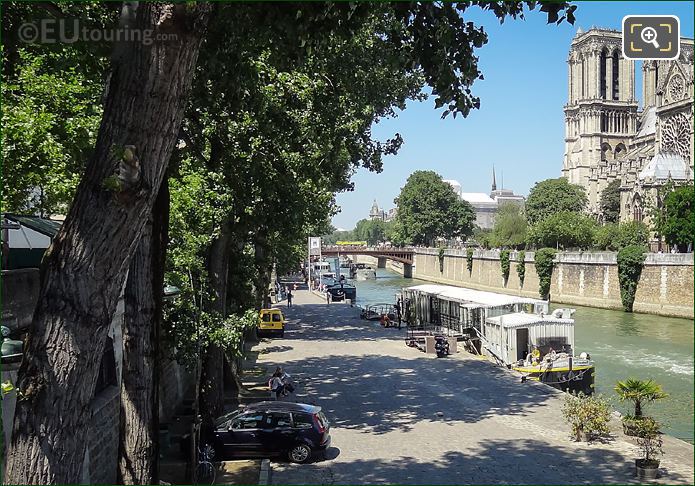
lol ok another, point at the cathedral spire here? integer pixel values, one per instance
(494, 183)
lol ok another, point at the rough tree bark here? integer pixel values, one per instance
(262, 265)
(85, 267)
(139, 433)
(212, 390)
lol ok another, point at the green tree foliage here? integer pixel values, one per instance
(587, 415)
(639, 392)
(469, 260)
(554, 196)
(50, 117)
(544, 263)
(564, 230)
(521, 267)
(610, 202)
(483, 237)
(630, 263)
(510, 227)
(373, 231)
(505, 265)
(613, 236)
(679, 208)
(428, 208)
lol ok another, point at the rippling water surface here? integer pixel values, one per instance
(622, 345)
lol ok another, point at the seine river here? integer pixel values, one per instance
(622, 345)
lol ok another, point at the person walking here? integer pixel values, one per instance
(328, 297)
(289, 298)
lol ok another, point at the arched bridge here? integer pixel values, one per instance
(402, 255)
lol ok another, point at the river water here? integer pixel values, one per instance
(622, 345)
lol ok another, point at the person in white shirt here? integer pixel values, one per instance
(276, 386)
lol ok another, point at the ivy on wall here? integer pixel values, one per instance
(469, 261)
(544, 261)
(505, 264)
(441, 259)
(521, 267)
(630, 263)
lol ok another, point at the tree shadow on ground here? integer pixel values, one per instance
(381, 393)
(338, 322)
(525, 461)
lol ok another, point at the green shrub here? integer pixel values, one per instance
(630, 263)
(588, 415)
(613, 236)
(469, 260)
(564, 230)
(543, 260)
(505, 264)
(441, 259)
(649, 442)
(606, 237)
(521, 267)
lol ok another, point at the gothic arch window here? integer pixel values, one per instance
(637, 208)
(605, 151)
(619, 150)
(615, 82)
(602, 74)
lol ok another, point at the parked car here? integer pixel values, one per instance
(267, 429)
(271, 321)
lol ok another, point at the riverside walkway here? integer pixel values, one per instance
(400, 416)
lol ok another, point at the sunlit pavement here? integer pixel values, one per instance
(400, 416)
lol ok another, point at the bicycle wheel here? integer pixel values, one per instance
(206, 473)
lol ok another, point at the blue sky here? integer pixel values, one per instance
(519, 127)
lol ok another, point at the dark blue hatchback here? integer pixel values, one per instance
(264, 429)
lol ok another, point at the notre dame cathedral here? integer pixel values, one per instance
(608, 137)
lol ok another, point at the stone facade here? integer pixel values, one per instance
(590, 279)
(607, 137)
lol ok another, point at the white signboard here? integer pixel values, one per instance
(315, 245)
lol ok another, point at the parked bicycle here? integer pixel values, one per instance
(205, 470)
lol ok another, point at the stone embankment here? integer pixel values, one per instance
(580, 278)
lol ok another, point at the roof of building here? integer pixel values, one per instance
(522, 319)
(484, 299)
(477, 198)
(667, 166)
(648, 126)
(44, 226)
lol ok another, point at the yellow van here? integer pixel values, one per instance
(271, 321)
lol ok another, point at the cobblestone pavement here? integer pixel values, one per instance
(400, 416)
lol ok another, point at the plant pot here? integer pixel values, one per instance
(647, 469)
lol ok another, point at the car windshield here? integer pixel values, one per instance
(226, 418)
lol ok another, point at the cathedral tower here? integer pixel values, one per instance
(601, 112)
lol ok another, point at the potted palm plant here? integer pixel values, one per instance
(649, 442)
(639, 392)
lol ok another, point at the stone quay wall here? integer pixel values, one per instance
(581, 278)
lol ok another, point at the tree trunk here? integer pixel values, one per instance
(139, 433)
(84, 269)
(212, 390)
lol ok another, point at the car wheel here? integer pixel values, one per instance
(300, 453)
